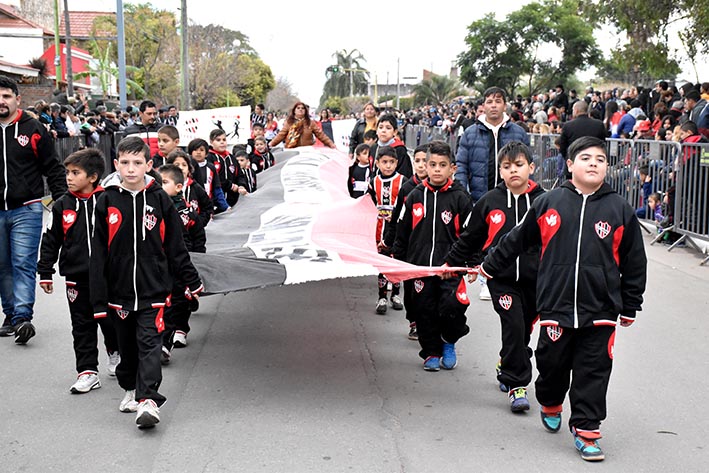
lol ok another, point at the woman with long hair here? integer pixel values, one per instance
(367, 122)
(298, 130)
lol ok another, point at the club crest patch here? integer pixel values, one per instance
(71, 294)
(603, 229)
(23, 140)
(554, 332)
(418, 285)
(122, 313)
(461, 293)
(446, 216)
(150, 220)
(506, 302)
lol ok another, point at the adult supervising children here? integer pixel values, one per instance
(592, 272)
(27, 154)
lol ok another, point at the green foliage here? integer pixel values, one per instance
(438, 90)
(106, 72)
(346, 76)
(335, 104)
(506, 53)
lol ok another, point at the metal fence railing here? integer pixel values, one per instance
(679, 173)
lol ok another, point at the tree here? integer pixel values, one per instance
(541, 44)
(106, 72)
(281, 98)
(437, 90)
(346, 76)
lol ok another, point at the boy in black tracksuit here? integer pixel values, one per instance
(193, 192)
(429, 224)
(387, 135)
(245, 174)
(68, 238)
(177, 313)
(224, 164)
(513, 290)
(138, 253)
(591, 270)
(384, 190)
(206, 174)
(390, 234)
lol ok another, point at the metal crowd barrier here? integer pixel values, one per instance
(416, 135)
(691, 196)
(107, 145)
(549, 167)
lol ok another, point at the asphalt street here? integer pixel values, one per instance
(308, 378)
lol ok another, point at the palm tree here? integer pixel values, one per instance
(105, 70)
(437, 90)
(346, 76)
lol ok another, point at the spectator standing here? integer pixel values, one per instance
(147, 126)
(28, 155)
(364, 124)
(580, 125)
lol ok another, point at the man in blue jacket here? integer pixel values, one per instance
(477, 151)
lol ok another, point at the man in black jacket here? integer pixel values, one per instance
(581, 125)
(27, 154)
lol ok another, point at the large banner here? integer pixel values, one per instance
(235, 121)
(300, 225)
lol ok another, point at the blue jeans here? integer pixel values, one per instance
(20, 232)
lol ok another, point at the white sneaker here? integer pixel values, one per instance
(381, 306)
(128, 404)
(148, 414)
(113, 359)
(485, 293)
(86, 381)
(179, 340)
(165, 356)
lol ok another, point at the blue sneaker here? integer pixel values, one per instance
(551, 418)
(449, 360)
(588, 448)
(432, 363)
(498, 370)
(518, 400)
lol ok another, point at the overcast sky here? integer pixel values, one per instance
(298, 45)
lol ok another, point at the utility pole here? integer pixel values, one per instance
(351, 83)
(398, 91)
(185, 59)
(57, 46)
(122, 85)
(67, 41)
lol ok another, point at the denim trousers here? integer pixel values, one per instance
(20, 232)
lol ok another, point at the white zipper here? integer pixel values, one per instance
(135, 253)
(433, 237)
(516, 198)
(4, 157)
(88, 229)
(578, 262)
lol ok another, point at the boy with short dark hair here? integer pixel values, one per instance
(387, 135)
(360, 172)
(245, 177)
(67, 238)
(514, 290)
(206, 174)
(177, 313)
(592, 270)
(429, 224)
(384, 190)
(224, 164)
(138, 253)
(168, 141)
(193, 192)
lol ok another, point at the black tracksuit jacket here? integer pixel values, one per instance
(430, 222)
(592, 264)
(495, 214)
(138, 249)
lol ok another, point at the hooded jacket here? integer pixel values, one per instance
(198, 200)
(147, 133)
(28, 153)
(592, 263)
(477, 155)
(67, 236)
(192, 228)
(495, 214)
(403, 162)
(430, 222)
(406, 188)
(138, 249)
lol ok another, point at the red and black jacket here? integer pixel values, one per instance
(67, 237)
(137, 249)
(192, 228)
(495, 214)
(431, 221)
(406, 189)
(403, 164)
(385, 192)
(592, 264)
(27, 154)
(198, 200)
